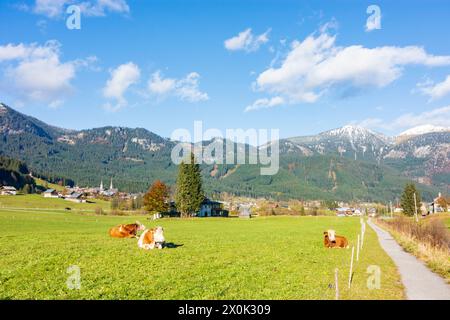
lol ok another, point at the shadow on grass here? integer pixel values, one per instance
(171, 245)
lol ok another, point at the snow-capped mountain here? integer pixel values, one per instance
(350, 141)
(422, 153)
(423, 129)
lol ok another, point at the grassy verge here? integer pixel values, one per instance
(215, 258)
(428, 240)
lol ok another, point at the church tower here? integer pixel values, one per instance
(111, 185)
(101, 185)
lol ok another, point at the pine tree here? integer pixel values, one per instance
(407, 199)
(189, 195)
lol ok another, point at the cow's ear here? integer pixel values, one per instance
(325, 232)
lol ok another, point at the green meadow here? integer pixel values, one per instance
(209, 258)
(37, 202)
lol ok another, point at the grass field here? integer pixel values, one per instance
(215, 258)
(35, 201)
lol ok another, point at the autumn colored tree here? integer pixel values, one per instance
(157, 197)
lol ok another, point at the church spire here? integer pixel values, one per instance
(111, 185)
(101, 185)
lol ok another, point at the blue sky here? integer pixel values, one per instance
(304, 67)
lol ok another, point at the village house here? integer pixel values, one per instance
(436, 207)
(8, 191)
(75, 197)
(344, 211)
(51, 193)
(210, 208)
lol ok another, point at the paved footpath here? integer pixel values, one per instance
(419, 282)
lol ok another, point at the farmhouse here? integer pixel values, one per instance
(210, 208)
(439, 204)
(50, 193)
(8, 191)
(344, 211)
(75, 197)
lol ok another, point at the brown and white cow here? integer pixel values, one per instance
(331, 240)
(152, 238)
(126, 230)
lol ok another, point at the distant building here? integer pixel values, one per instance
(372, 212)
(8, 191)
(75, 197)
(435, 206)
(244, 212)
(210, 208)
(50, 193)
(344, 211)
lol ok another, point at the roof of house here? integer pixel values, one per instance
(49, 191)
(9, 188)
(210, 202)
(74, 195)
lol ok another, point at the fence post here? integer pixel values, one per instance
(357, 249)
(415, 208)
(336, 284)
(351, 269)
(363, 231)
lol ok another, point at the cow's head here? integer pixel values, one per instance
(140, 226)
(331, 235)
(158, 234)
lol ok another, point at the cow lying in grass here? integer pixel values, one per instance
(152, 238)
(126, 230)
(331, 240)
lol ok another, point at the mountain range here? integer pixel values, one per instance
(348, 163)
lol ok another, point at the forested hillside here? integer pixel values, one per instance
(16, 174)
(349, 163)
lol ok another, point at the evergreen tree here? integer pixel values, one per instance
(27, 189)
(407, 199)
(189, 195)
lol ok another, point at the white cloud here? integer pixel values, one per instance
(50, 8)
(436, 91)
(436, 117)
(265, 103)
(100, 7)
(246, 41)
(120, 80)
(36, 73)
(316, 64)
(56, 8)
(159, 85)
(186, 89)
